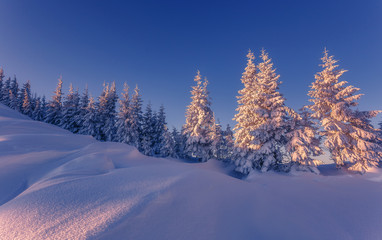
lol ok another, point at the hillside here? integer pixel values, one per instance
(57, 185)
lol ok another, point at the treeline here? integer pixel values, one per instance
(268, 135)
(145, 129)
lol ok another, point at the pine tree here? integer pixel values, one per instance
(246, 118)
(39, 109)
(123, 124)
(83, 104)
(1, 84)
(148, 132)
(167, 148)
(54, 111)
(6, 92)
(160, 130)
(217, 145)
(179, 141)
(199, 122)
(136, 119)
(26, 107)
(107, 113)
(303, 143)
(25, 95)
(228, 143)
(349, 136)
(70, 111)
(13, 94)
(263, 105)
(91, 122)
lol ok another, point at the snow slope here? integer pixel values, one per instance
(56, 185)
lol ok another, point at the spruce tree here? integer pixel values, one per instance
(38, 113)
(303, 143)
(83, 104)
(136, 118)
(54, 111)
(6, 92)
(246, 119)
(91, 122)
(148, 132)
(1, 84)
(199, 122)
(228, 142)
(14, 94)
(70, 111)
(160, 130)
(123, 120)
(168, 145)
(348, 134)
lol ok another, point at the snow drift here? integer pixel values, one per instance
(56, 185)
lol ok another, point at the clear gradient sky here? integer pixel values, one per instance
(159, 45)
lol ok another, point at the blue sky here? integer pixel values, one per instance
(159, 45)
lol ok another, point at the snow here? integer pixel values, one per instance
(57, 185)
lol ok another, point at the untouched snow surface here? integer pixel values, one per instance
(56, 185)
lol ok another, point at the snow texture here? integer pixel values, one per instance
(57, 185)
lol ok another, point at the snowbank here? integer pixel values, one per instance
(56, 185)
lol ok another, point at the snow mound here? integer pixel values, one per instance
(57, 185)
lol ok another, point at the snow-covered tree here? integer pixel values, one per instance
(123, 120)
(1, 83)
(260, 132)
(136, 118)
(246, 118)
(26, 106)
(160, 130)
(167, 147)
(107, 113)
(70, 111)
(303, 143)
(148, 132)
(228, 143)
(91, 122)
(83, 104)
(199, 122)
(218, 143)
(5, 92)
(14, 94)
(54, 111)
(38, 113)
(349, 136)
(180, 140)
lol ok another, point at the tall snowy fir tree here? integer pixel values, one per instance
(90, 125)
(160, 130)
(5, 92)
(303, 143)
(14, 94)
(168, 145)
(148, 132)
(262, 118)
(25, 95)
(26, 100)
(54, 111)
(83, 104)
(38, 113)
(1, 84)
(348, 134)
(70, 111)
(199, 122)
(136, 118)
(246, 119)
(123, 133)
(107, 113)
